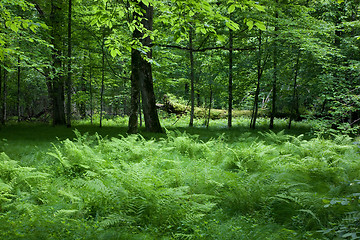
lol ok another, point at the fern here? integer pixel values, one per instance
(278, 138)
(116, 220)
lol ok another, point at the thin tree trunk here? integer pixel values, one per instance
(257, 92)
(140, 117)
(18, 90)
(102, 77)
(82, 105)
(210, 105)
(1, 100)
(295, 105)
(68, 82)
(192, 78)
(4, 98)
(230, 90)
(91, 92)
(274, 92)
(274, 87)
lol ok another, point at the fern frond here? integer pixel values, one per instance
(115, 219)
(66, 213)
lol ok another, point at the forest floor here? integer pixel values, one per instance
(87, 182)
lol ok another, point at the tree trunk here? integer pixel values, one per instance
(274, 87)
(141, 79)
(68, 82)
(210, 102)
(140, 112)
(102, 77)
(230, 90)
(274, 92)
(82, 105)
(18, 90)
(91, 91)
(4, 97)
(257, 92)
(152, 123)
(135, 87)
(57, 84)
(1, 82)
(192, 78)
(295, 105)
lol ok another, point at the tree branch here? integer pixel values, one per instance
(38, 8)
(204, 49)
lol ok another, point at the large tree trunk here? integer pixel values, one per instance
(68, 82)
(57, 84)
(135, 87)
(230, 90)
(141, 79)
(152, 123)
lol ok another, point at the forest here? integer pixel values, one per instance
(186, 119)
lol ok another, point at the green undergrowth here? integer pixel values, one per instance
(255, 185)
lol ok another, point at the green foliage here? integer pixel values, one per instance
(179, 186)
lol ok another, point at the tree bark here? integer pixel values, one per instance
(57, 83)
(152, 123)
(141, 79)
(230, 90)
(135, 87)
(68, 82)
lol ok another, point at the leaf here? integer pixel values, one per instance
(261, 26)
(352, 235)
(232, 25)
(221, 38)
(113, 53)
(33, 28)
(259, 7)
(231, 8)
(146, 2)
(250, 24)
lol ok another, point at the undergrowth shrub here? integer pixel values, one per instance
(180, 187)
